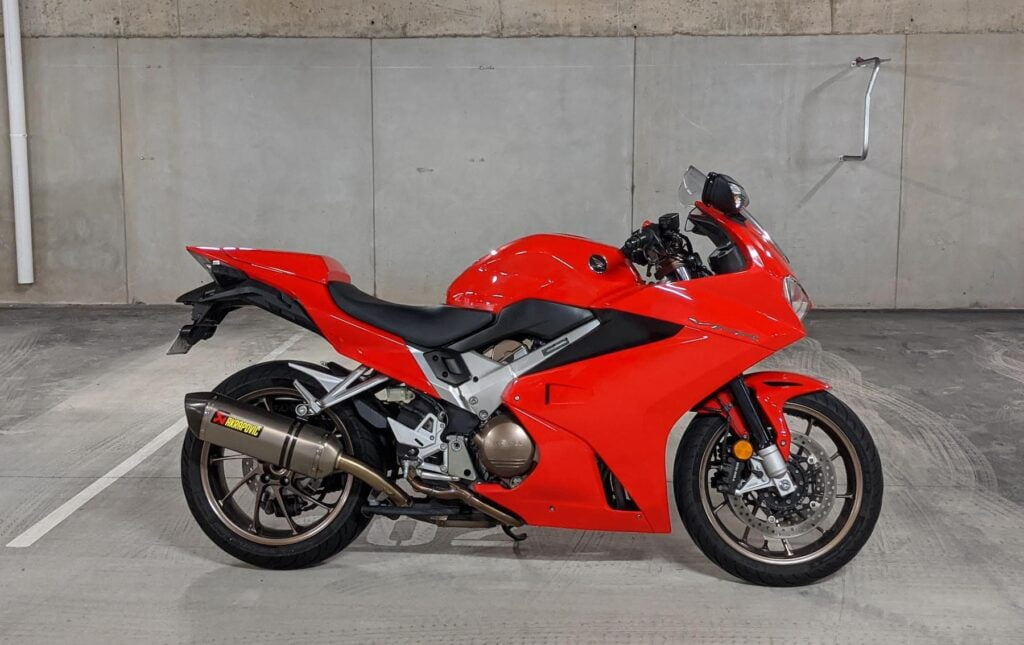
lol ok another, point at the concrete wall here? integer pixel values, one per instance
(407, 159)
(71, 90)
(405, 18)
(237, 142)
(962, 232)
(478, 142)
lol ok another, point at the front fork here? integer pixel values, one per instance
(768, 467)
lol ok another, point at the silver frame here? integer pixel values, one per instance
(481, 394)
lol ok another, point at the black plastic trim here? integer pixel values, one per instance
(230, 290)
(618, 331)
(447, 366)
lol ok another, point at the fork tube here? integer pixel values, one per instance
(748, 410)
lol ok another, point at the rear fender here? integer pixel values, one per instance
(231, 289)
(771, 390)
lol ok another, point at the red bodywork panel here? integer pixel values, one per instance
(305, 278)
(546, 267)
(619, 407)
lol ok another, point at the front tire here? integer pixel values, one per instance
(784, 541)
(255, 511)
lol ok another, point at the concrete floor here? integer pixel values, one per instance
(85, 388)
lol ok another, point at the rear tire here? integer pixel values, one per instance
(338, 527)
(691, 486)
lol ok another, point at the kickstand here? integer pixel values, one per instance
(516, 537)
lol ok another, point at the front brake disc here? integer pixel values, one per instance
(817, 496)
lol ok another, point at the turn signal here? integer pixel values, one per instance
(743, 450)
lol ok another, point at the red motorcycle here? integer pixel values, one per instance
(542, 393)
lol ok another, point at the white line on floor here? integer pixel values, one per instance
(61, 513)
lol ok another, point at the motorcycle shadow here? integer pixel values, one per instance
(543, 545)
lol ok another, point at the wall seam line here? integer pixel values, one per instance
(124, 186)
(903, 154)
(373, 180)
(632, 153)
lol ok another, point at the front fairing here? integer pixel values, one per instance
(750, 305)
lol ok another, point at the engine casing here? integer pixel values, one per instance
(504, 447)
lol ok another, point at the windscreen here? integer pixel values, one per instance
(692, 186)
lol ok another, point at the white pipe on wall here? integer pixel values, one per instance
(19, 142)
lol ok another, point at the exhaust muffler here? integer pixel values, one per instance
(285, 442)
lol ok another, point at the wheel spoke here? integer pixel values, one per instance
(311, 499)
(810, 425)
(756, 507)
(256, 509)
(266, 403)
(785, 545)
(714, 511)
(241, 482)
(229, 457)
(746, 533)
(284, 511)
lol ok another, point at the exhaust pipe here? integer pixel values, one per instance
(454, 491)
(279, 440)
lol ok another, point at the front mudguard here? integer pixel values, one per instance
(771, 390)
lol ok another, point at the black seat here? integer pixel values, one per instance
(432, 326)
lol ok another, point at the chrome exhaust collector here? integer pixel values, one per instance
(285, 442)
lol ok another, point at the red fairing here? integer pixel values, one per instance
(610, 403)
(305, 278)
(546, 267)
(729, 323)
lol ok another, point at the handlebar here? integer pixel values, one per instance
(663, 249)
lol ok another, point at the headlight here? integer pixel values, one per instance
(724, 193)
(739, 197)
(797, 297)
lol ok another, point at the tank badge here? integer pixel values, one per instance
(598, 264)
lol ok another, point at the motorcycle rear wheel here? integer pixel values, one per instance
(794, 540)
(262, 514)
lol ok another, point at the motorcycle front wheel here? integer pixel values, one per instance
(774, 540)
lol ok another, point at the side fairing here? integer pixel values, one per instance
(621, 406)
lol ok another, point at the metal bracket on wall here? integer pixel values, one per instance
(860, 62)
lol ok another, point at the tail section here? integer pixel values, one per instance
(275, 281)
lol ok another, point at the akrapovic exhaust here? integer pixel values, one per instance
(279, 440)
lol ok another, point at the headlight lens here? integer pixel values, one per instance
(739, 197)
(798, 298)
